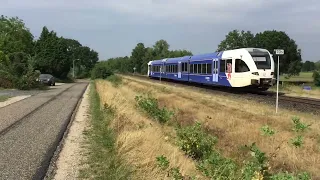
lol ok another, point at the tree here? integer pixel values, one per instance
(161, 49)
(317, 65)
(52, 54)
(236, 39)
(137, 56)
(290, 63)
(308, 66)
(14, 36)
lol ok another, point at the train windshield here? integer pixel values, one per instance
(261, 59)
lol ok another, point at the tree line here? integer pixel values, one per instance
(137, 62)
(23, 58)
(290, 63)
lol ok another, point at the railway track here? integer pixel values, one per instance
(289, 102)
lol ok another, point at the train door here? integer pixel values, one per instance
(179, 70)
(215, 72)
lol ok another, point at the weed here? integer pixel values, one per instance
(115, 80)
(150, 105)
(162, 162)
(4, 98)
(267, 131)
(218, 167)
(175, 173)
(299, 126)
(297, 141)
(103, 160)
(195, 142)
(288, 176)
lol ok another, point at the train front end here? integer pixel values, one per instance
(263, 75)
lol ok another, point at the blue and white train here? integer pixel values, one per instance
(239, 68)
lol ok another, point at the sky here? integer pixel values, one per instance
(114, 27)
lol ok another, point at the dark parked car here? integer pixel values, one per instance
(47, 79)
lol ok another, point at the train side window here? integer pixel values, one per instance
(199, 68)
(222, 66)
(229, 65)
(209, 69)
(182, 68)
(204, 68)
(185, 67)
(241, 66)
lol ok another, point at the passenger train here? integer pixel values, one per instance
(238, 68)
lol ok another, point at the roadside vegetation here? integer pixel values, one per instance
(4, 98)
(23, 58)
(166, 133)
(103, 161)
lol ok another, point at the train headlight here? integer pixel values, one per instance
(255, 73)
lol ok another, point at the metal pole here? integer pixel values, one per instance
(278, 77)
(73, 68)
(160, 73)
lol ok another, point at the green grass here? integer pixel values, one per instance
(103, 160)
(4, 98)
(303, 76)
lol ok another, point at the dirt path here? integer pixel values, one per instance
(71, 155)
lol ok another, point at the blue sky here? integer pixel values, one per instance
(113, 28)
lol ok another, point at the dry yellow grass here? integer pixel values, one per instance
(140, 139)
(293, 90)
(237, 122)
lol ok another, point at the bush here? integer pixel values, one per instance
(115, 80)
(6, 79)
(150, 106)
(101, 71)
(28, 81)
(195, 142)
(316, 78)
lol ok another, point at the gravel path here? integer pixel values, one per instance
(26, 148)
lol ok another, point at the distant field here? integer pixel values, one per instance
(304, 76)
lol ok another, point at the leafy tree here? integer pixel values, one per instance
(317, 65)
(290, 63)
(308, 66)
(236, 39)
(137, 56)
(161, 49)
(52, 54)
(14, 36)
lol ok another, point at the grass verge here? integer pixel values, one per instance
(4, 98)
(103, 161)
(239, 123)
(200, 146)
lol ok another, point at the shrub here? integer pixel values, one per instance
(150, 105)
(101, 71)
(195, 142)
(28, 81)
(6, 79)
(316, 78)
(218, 167)
(115, 80)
